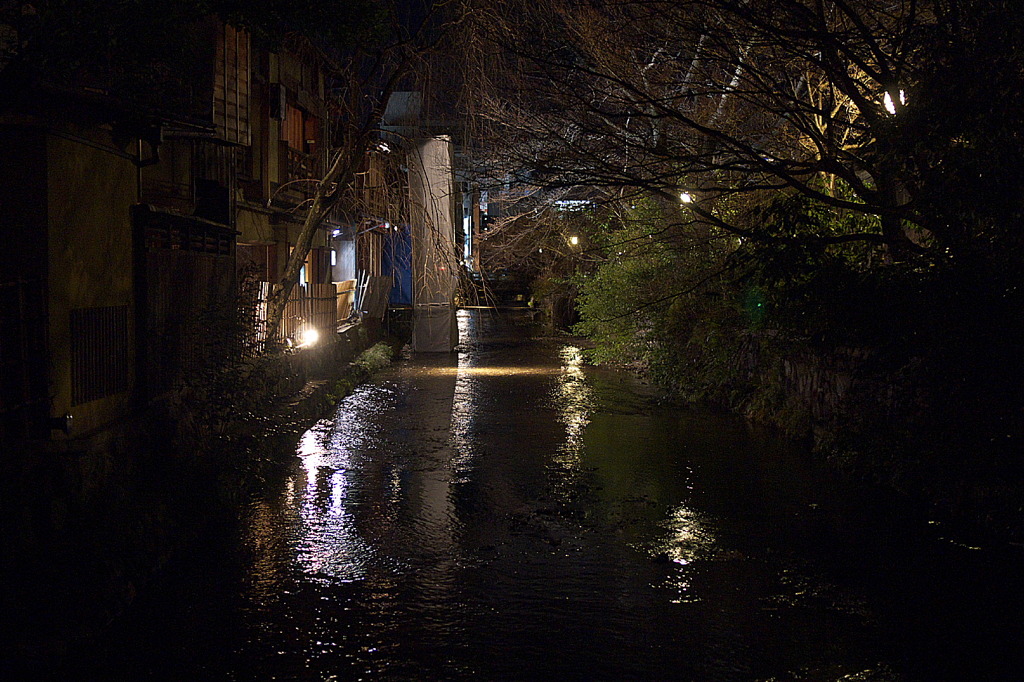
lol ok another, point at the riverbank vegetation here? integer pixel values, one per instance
(807, 212)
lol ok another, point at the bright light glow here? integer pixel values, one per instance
(574, 240)
(572, 204)
(890, 106)
(308, 337)
(686, 197)
(334, 257)
(501, 371)
(312, 453)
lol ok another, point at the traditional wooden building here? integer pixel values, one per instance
(127, 216)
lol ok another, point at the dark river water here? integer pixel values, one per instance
(508, 513)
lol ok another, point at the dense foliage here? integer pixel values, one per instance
(811, 211)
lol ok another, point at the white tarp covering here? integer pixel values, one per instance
(431, 198)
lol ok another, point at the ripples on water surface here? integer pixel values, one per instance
(507, 513)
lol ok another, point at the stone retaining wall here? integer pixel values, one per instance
(882, 419)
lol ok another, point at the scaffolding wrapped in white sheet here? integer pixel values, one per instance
(434, 329)
(434, 258)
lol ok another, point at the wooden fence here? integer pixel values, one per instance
(185, 281)
(310, 305)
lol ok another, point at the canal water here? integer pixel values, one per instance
(507, 512)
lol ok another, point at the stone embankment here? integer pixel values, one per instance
(886, 419)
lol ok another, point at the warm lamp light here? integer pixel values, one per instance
(309, 337)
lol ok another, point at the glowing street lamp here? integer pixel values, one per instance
(686, 197)
(890, 105)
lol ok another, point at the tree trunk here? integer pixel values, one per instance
(897, 242)
(328, 191)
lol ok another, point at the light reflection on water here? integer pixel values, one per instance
(502, 513)
(453, 523)
(467, 387)
(686, 539)
(328, 546)
(439, 488)
(575, 399)
(469, 371)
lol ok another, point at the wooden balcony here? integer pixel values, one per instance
(300, 170)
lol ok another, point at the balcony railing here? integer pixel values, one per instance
(301, 171)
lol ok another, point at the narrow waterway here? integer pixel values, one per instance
(508, 513)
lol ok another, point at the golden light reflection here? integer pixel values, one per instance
(686, 540)
(574, 399)
(487, 371)
(265, 572)
(464, 401)
(572, 360)
(289, 492)
(683, 590)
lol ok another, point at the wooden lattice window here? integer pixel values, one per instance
(231, 87)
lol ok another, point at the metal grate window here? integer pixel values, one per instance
(99, 353)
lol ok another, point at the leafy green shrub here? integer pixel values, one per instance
(375, 358)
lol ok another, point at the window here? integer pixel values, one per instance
(231, 85)
(292, 130)
(300, 130)
(99, 353)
